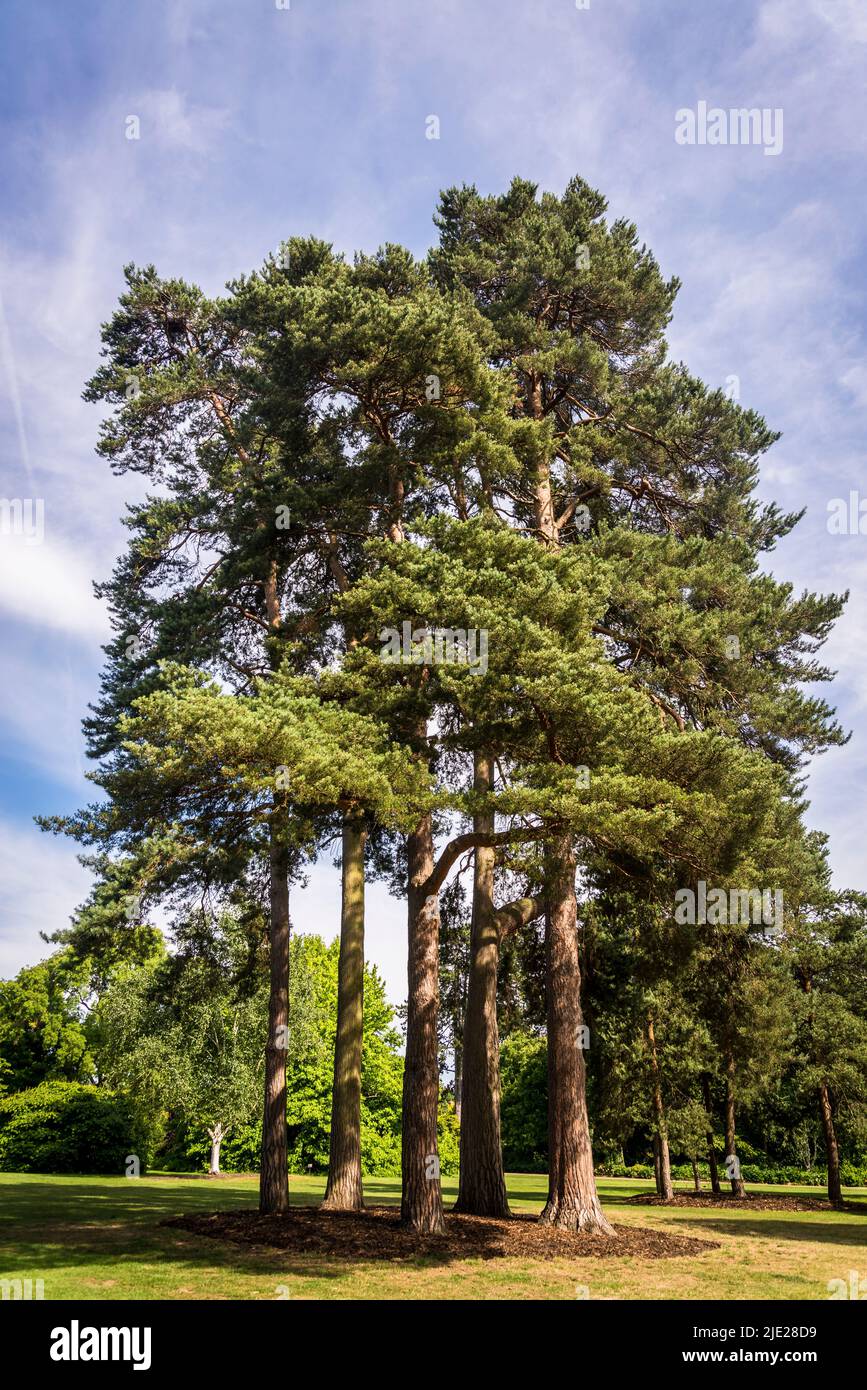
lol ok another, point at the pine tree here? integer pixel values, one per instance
(610, 435)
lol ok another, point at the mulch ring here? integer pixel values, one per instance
(753, 1201)
(376, 1234)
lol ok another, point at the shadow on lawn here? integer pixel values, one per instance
(50, 1202)
(778, 1226)
(49, 1225)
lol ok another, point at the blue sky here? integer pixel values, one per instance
(257, 123)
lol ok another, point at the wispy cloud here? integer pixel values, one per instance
(179, 124)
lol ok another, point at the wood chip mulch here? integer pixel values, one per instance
(753, 1201)
(376, 1234)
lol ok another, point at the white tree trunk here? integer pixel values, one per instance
(217, 1135)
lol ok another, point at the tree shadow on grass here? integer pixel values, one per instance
(50, 1202)
(778, 1226)
(50, 1225)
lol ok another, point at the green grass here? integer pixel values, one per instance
(100, 1238)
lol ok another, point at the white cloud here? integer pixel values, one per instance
(41, 884)
(843, 19)
(855, 382)
(50, 585)
(848, 18)
(178, 123)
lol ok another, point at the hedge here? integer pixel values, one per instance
(66, 1127)
(852, 1175)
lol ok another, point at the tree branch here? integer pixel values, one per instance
(478, 839)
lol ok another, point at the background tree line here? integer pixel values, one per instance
(171, 1051)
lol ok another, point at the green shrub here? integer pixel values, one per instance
(853, 1174)
(624, 1170)
(65, 1127)
(448, 1141)
(779, 1173)
(524, 1103)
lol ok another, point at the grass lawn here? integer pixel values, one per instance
(100, 1238)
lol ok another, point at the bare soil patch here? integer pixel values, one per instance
(376, 1234)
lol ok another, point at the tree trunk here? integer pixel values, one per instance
(274, 1173)
(482, 1187)
(696, 1178)
(572, 1199)
(344, 1188)
(835, 1187)
(663, 1182)
(217, 1134)
(715, 1187)
(543, 497)
(421, 1205)
(732, 1161)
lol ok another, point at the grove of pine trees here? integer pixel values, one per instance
(445, 566)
